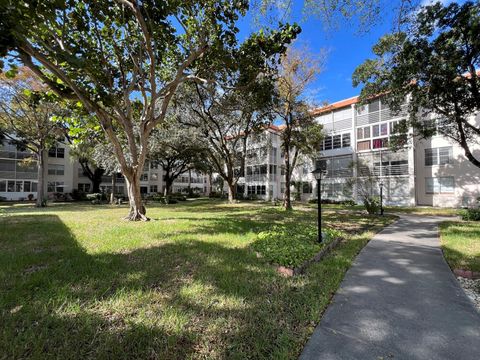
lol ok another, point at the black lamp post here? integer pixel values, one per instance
(381, 198)
(318, 176)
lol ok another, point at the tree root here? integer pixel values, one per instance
(137, 216)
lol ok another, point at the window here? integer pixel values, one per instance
(337, 141)
(85, 187)
(56, 169)
(153, 176)
(154, 165)
(366, 132)
(440, 185)
(363, 145)
(438, 156)
(144, 177)
(256, 190)
(56, 152)
(19, 186)
(55, 186)
(375, 130)
(380, 143)
(328, 143)
(307, 187)
(153, 188)
(360, 133)
(346, 140)
(143, 189)
(10, 186)
(383, 129)
(3, 185)
(27, 186)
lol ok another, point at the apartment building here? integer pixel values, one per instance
(264, 176)
(431, 172)
(63, 174)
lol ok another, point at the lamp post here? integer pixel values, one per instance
(318, 176)
(381, 198)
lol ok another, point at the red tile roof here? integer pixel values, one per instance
(336, 105)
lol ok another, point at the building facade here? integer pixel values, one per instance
(63, 175)
(430, 172)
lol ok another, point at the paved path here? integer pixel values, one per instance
(399, 300)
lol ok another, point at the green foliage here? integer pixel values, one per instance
(461, 245)
(372, 204)
(291, 245)
(434, 62)
(471, 214)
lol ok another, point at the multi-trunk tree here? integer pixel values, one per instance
(123, 60)
(434, 63)
(27, 119)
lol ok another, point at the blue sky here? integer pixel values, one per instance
(347, 48)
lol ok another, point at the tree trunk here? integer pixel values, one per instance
(97, 180)
(41, 193)
(114, 184)
(231, 192)
(137, 209)
(189, 181)
(287, 203)
(210, 183)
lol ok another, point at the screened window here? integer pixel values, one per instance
(144, 177)
(3, 185)
(56, 169)
(363, 145)
(440, 185)
(56, 152)
(153, 188)
(438, 156)
(337, 141)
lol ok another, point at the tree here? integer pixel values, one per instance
(123, 60)
(300, 133)
(177, 152)
(226, 117)
(435, 64)
(27, 113)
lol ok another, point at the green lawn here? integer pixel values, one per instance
(78, 282)
(461, 244)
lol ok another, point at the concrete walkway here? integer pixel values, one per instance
(399, 300)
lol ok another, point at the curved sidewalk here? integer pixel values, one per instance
(399, 300)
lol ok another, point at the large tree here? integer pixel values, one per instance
(123, 60)
(225, 117)
(27, 119)
(434, 63)
(177, 152)
(300, 134)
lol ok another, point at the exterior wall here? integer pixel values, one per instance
(406, 178)
(64, 174)
(464, 176)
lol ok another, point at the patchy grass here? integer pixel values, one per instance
(461, 244)
(78, 282)
(291, 246)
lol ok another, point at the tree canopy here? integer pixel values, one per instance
(123, 60)
(434, 63)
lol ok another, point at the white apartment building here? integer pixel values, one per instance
(18, 177)
(431, 172)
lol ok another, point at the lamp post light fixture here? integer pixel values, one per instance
(381, 198)
(317, 173)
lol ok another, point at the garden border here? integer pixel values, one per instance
(298, 270)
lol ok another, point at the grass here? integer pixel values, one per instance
(461, 244)
(417, 210)
(78, 282)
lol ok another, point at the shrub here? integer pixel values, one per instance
(30, 197)
(95, 198)
(291, 246)
(471, 214)
(372, 204)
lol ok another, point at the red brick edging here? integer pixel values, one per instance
(467, 273)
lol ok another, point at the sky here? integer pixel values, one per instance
(347, 48)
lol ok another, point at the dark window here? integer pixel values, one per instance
(337, 141)
(346, 140)
(328, 143)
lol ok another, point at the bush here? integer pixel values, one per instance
(78, 195)
(471, 214)
(291, 246)
(372, 205)
(95, 198)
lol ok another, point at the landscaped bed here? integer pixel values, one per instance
(78, 282)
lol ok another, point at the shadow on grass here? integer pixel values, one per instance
(182, 299)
